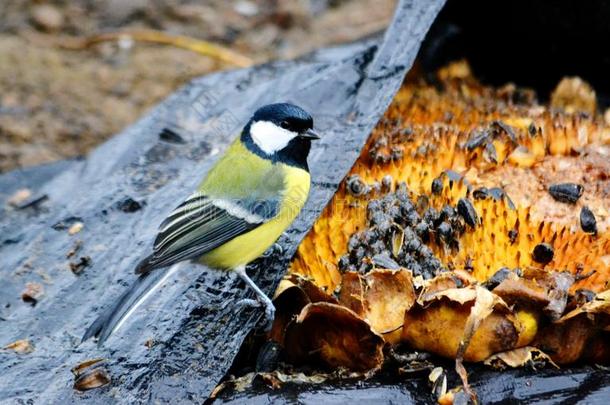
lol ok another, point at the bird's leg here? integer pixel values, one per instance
(261, 297)
(278, 248)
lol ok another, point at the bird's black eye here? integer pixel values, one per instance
(285, 124)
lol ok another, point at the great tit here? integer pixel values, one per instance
(239, 210)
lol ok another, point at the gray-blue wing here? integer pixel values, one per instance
(197, 226)
(201, 224)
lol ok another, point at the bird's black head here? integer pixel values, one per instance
(281, 132)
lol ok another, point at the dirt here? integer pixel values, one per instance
(589, 169)
(57, 103)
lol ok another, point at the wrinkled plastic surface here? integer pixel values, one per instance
(523, 386)
(194, 326)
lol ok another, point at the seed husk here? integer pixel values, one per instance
(355, 186)
(96, 378)
(81, 368)
(21, 346)
(90, 374)
(566, 192)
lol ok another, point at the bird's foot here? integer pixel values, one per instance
(269, 315)
(257, 303)
(278, 248)
(261, 297)
(248, 302)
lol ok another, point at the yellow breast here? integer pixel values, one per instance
(249, 246)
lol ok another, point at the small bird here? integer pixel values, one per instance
(239, 210)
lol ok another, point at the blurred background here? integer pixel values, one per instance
(59, 100)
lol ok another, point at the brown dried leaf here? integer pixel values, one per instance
(274, 379)
(585, 328)
(522, 292)
(538, 289)
(443, 282)
(552, 339)
(381, 297)
(442, 325)
(483, 306)
(334, 336)
(558, 285)
(311, 290)
(351, 294)
(600, 306)
(519, 357)
(459, 295)
(597, 349)
(292, 295)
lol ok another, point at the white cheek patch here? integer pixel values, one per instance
(269, 137)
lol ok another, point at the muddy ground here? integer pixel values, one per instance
(57, 103)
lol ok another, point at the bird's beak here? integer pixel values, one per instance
(310, 134)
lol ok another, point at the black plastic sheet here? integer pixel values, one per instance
(586, 385)
(193, 324)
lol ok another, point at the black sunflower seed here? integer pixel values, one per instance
(587, 220)
(467, 211)
(566, 192)
(445, 232)
(543, 253)
(437, 186)
(480, 193)
(497, 278)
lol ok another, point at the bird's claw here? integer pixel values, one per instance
(278, 248)
(248, 302)
(269, 316)
(257, 303)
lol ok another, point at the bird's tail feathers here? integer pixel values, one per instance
(144, 266)
(138, 292)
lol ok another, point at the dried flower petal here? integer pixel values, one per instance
(333, 336)
(520, 357)
(381, 297)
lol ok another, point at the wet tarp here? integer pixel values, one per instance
(586, 385)
(180, 346)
